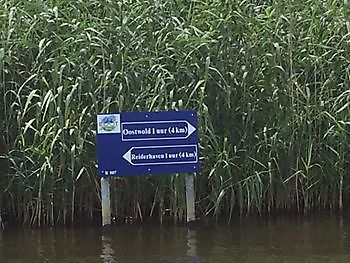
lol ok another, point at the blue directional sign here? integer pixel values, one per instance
(132, 143)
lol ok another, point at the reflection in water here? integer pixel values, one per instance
(275, 241)
(342, 234)
(107, 254)
(191, 243)
(192, 247)
(189, 239)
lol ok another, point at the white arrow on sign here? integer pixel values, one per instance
(191, 129)
(127, 155)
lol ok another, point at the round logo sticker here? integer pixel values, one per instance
(109, 123)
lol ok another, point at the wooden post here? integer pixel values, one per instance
(190, 197)
(106, 201)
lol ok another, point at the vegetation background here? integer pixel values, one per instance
(269, 79)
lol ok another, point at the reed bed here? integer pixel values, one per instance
(269, 79)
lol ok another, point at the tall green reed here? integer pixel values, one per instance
(269, 80)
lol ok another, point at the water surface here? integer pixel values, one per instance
(321, 239)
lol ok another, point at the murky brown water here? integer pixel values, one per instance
(283, 240)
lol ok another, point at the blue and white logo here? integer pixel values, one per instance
(108, 123)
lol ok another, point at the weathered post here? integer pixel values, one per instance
(190, 198)
(106, 201)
